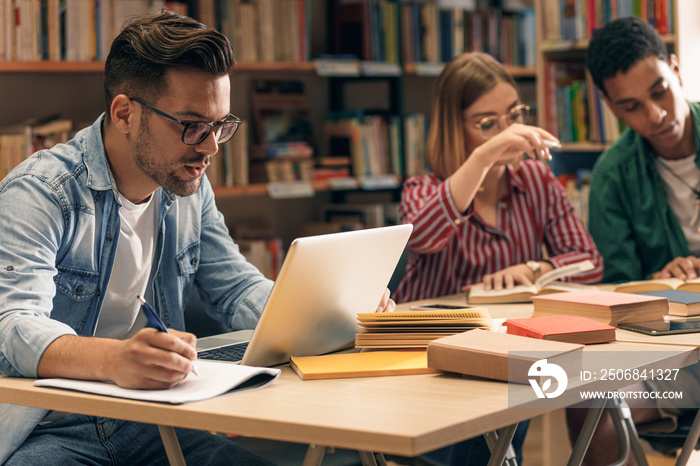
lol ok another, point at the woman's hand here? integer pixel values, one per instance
(508, 277)
(386, 304)
(509, 146)
(519, 274)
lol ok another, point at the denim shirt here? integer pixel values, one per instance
(59, 218)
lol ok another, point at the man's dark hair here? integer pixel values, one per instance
(618, 45)
(150, 45)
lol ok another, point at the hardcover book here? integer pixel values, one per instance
(607, 307)
(500, 356)
(680, 303)
(566, 328)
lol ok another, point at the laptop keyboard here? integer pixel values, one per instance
(225, 353)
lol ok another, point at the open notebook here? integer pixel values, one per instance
(324, 282)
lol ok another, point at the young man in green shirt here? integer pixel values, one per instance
(645, 190)
(645, 198)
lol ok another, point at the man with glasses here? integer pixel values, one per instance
(124, 210)
(644, 204)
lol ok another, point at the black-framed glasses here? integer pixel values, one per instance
(492, 125)
(197, 131)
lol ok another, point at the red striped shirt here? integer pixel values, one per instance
(449, 249)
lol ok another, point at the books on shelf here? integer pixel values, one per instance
(680, 303)
(547, 283)
(607, 307)
(500, 356)
(577, 20)
(566, 328)
(366, 30)
(72, 30)
(368, 144)
(354, 215)
(364, 364)
(230, 167)
(266, 254)
(18, 142)
(215, 378)
(415, 329)
(437, 31)
(640, 286)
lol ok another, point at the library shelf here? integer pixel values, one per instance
(434, 69)
(565, 46)
(277, 67)
(259, 189)
(46, 66)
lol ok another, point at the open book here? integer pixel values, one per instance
(543, 285)
(659, 284)
(215, 378)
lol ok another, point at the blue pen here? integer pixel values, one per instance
(155, 322)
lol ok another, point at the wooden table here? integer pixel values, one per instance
(403, 415)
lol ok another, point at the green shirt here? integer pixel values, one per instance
(630, 220)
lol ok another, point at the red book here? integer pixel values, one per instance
(566, 328)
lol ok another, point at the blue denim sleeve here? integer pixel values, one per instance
(32, 222)
(233, 290)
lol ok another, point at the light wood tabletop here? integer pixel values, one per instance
(404, 415)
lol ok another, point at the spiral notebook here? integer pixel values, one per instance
(415, 329)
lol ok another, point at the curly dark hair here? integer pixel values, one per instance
(150, 45)
(618, 45)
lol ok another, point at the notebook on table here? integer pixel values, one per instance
(324, 282)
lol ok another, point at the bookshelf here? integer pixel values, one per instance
(573, 109)
(402, 86)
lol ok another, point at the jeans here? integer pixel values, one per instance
(475, 451)
(78, 439)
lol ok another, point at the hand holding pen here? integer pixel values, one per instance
(155, 322)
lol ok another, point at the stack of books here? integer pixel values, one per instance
(415, 329)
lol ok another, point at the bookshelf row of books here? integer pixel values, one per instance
(264, 253)
(73, 30)
(577, 186)
(19, 141)
(435, 34)
(265, 30)
(573, 20)
(366, 30)
(575, 111)
(83, 30)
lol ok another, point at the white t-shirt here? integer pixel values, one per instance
(121, 315)
(682, 200)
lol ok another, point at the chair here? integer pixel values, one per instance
(685, 438)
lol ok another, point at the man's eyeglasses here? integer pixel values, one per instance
(492, 125)
(197, 131)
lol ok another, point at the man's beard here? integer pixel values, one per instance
(145, 160)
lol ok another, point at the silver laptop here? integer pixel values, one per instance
(324, 282)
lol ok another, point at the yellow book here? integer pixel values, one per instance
(366, 364)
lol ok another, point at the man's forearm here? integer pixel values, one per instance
(76, 357)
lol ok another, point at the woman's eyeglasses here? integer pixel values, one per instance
(197, 131)
(492, 125)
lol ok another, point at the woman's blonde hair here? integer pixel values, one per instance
(462, 81)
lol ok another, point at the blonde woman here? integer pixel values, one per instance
(484, 214)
